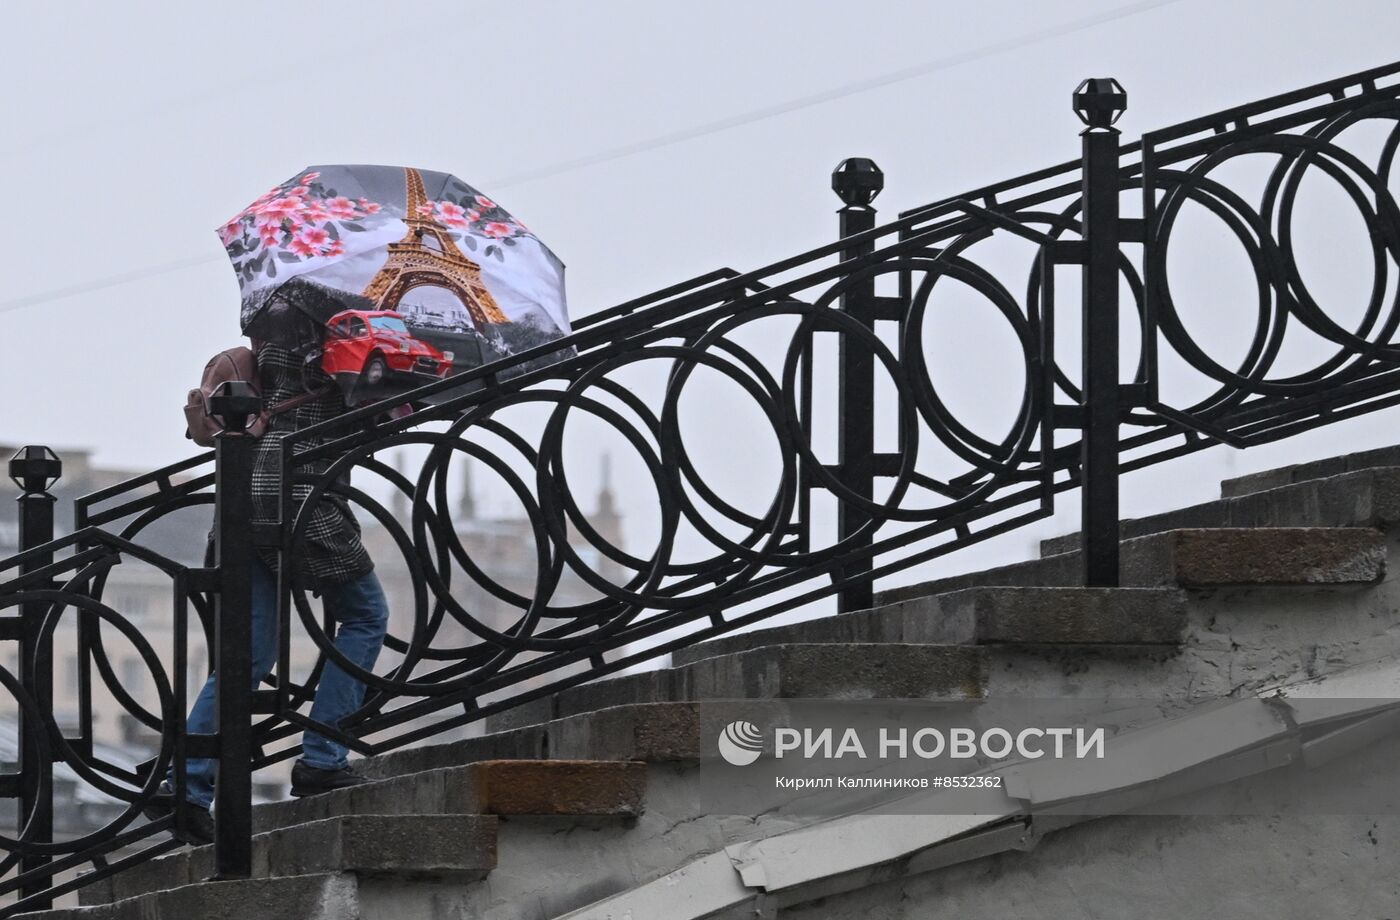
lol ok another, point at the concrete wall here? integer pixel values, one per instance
(1183, 868)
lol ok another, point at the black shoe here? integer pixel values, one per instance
(198, 830)
(307, 780)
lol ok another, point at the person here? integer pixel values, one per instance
(331, 560)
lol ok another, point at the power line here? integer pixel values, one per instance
(240, 89)
(666, 140)
(831, 95)
(20, 303)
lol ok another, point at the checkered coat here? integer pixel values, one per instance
(330, 550)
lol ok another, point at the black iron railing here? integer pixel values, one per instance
(1111, 216)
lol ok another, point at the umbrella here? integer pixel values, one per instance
(393, 276)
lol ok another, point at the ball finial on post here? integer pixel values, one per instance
(35, 469)
(234, 406)
(856, 181)
(1099, 102)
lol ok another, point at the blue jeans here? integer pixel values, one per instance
(362, 615)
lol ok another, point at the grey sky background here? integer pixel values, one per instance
(134, 129)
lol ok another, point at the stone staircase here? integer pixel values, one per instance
(587, 794)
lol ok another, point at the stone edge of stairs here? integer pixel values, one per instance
(424, 823)
(1368, 496)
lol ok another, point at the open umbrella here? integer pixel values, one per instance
(394, 276)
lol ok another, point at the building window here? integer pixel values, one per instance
(68, 722)
(135, 732)
(133, 674)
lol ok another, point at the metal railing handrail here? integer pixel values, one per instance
(1066, 214)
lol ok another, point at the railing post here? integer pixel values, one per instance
(856, 181)
(1099, 103)
(234, 406)
(35, 470)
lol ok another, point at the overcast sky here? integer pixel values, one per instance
(133, 129)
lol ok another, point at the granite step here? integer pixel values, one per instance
(1256, 557)
(1368, 497)
(417, 847)
(786, 671)
(323, 896)
(651, 733)
(1199, 558)
(1315, 469)
(506, 788)
(489, 787)
(986, 616)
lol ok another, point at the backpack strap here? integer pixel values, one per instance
(296, 402)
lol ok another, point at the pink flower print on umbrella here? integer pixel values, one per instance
(497, 230)
(315, 237)
(451, 214)
(341, 208)
(279, 207)
(231, 231)
(268, 223)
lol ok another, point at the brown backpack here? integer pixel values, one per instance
(239, 363)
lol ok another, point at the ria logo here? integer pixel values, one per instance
(740, 743)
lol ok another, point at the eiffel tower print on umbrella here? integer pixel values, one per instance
(394, 277)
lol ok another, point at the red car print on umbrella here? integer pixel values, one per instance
(375, 346)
